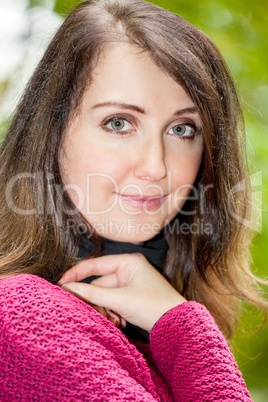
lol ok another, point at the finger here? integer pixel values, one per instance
(114, 318)
(104, 265)
(100, 310)
(111, 298)
(123, 323)
(107, 281)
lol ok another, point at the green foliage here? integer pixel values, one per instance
(63, 7)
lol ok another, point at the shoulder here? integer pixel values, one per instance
(11, 284)
(29, 290)
(31, 287)
(30, 299)
(39, 315)
(24, 289)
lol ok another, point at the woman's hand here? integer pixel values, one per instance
(129, 286)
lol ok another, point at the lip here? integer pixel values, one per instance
(148, 202)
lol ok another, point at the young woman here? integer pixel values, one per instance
(120, 169)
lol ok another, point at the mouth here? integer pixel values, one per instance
(149, 202)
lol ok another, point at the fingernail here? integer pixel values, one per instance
(123, 323)
(67, 287)
(60, 281)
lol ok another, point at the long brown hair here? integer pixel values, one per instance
(209, 266)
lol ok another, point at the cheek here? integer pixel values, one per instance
(88, 159)
(98, 174)
(109, 166)
(185, 169)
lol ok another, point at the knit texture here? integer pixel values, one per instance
(55, 347)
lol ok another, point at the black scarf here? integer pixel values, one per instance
(154, 250)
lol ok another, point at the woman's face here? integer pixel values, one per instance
(131, 156)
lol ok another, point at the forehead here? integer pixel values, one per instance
(128, 73)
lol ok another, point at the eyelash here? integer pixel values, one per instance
(125, 132)
(116, 132)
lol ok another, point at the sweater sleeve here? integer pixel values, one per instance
(193, 356)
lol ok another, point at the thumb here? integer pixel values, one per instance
(110, 298)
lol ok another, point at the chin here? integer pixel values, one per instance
(130, 230)
(138, 238)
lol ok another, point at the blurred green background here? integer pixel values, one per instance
(240, 31)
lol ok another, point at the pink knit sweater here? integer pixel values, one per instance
(55, 347)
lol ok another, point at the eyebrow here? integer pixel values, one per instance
(190, 110)
(120, 105)
(135, 108)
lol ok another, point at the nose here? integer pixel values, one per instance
(151, 164)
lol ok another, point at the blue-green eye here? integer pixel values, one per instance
(117, 124)
(183, 130)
